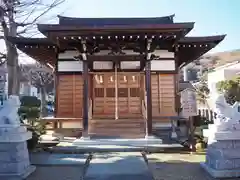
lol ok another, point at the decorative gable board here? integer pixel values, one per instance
(162, 65)
(102, 65)
(106, 52)
(164, 54)
(68, 55)
(130, 65)
(70, 66)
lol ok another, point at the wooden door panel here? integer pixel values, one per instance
(104, 99)
(129, 103)
(103, 95)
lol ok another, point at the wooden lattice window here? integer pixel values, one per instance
(99, 92)
(134, 92)
(122, 92)
(110, 92)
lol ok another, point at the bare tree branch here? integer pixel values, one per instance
(19, 18)
(50, 7)
(38, 74)
(41, 77)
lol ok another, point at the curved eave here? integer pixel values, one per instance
(191, 48)
(40, 49)
(63, 20)
(47, 28)
(30, 41)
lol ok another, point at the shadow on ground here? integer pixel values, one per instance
(178, 170)
(57, 172)
(48, 159)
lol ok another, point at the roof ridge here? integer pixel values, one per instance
(170, 16)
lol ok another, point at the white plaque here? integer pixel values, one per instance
(188, 103)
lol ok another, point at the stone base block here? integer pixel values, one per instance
(224, 144)
(222, 135)
(18, 176)
(224, 153)
(220, 164)
(224, 126)
(14, 157)
(234, 173)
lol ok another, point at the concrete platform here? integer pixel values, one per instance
(221, 173)
(118, 167)
(154, 148)
(142, 142)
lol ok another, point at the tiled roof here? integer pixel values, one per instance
(99, 22)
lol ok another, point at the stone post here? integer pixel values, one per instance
(14, 157)
(223, 157)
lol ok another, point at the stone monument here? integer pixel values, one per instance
(223, 153)
(14, 158)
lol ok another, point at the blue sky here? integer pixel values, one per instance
(211, 17)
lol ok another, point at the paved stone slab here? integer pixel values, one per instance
(118, 166)
(57, 159)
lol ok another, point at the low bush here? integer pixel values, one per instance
(30, 111)
(30, 101)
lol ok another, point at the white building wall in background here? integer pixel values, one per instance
(26, 89)
(222, 73)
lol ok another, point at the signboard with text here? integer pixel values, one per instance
(188, 103)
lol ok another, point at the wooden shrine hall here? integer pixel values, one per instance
(116, 76)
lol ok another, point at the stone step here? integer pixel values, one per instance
(124, 128)
(127, 166)
(119, 134)
(117, 131)
(116, 122)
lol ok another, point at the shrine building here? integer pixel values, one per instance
(116, 76)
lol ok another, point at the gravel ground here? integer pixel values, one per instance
(178, 167)
(57, 173)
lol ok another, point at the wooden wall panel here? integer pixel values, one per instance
(78, 96)
(155, 95)
(163, 95)
(69, 96)
(167, 94)
(65, 96)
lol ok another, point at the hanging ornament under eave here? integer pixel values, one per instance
(101, 79)
(97, 79)
(125, 78)
(133, 78)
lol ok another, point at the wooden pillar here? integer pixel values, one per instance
(116, 91)
(148, 88)
(85, 90)
(85, 96)
(149, 97)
